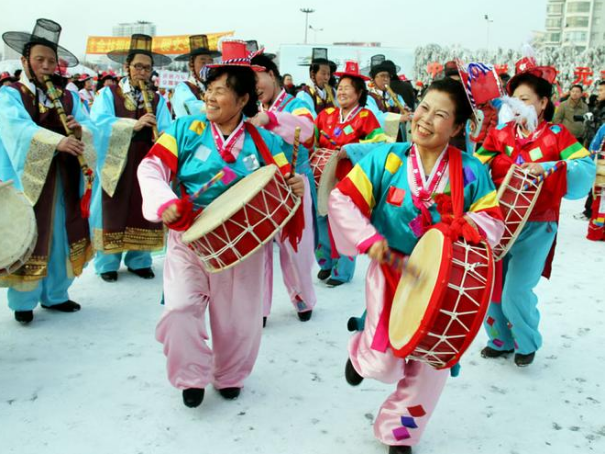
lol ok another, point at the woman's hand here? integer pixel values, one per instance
(171, 214)
(534, 168)
(296, 183)
(405, 116)
(260, 119)
(377, 250)
(74, 126)
(147, 120)
(342, 154)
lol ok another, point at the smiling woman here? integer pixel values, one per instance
(386, 204)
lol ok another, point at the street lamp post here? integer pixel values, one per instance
(315, 30)
(489, 21)
(307, 11)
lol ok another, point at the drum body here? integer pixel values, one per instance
(242, 219)
(435, 319)
(324, 163)
(18, 229)
(516, 204)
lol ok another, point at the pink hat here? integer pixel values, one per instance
(351, 70)
(235, 53)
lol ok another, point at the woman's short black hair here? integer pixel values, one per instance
(540, 86)
(360, 88)
(242, 81)
(269, 64)
(457, 94)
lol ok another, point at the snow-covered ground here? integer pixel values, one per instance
(94, 382)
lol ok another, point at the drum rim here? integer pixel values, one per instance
(26, 249)
(436, 296)
(327, 183)
(187, 233)
(500, 252)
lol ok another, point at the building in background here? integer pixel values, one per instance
(575, 23)
(130, 28)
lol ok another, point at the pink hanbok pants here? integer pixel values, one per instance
(233, 300)
(404, 415)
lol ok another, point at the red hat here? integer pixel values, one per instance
(351, 70)
(403, 78)
(7, 76)
(84, 77)
(108, 75)
(419, 83)
(528, 65)
(480, 81)
(235, 53)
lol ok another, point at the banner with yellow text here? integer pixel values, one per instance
(168, 45)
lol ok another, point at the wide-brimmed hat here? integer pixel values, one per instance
(198, 45)
(108, 75)
(46, 33)
(235, 53)
(378, 64)
(254, 50)
(139, 44)
(84, 77)
(7, 76)
(351, 70)
(528, 65)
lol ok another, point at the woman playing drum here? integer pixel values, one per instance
(282, 114)
(388, 201)
(351, 123)
(193, 150)
(533, 143)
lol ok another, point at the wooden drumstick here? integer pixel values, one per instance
(327, 136)
(226, 176)
(295, 147)
(558, 166)
(400, 263)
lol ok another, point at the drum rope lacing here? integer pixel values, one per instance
(469, 273)
(203, 248)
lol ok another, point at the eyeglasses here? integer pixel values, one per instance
(142, 68)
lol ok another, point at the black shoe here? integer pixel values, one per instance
(230, 393)
(264, 321)
(333, 283)
(489, 352)
(524, 360)
(324, 274)
(400, 450)
(193, 397)
(145, 273)
(351, 375)
(67, 306)
(305, 316)
(109, 276)
(353, 324)
(24, 317)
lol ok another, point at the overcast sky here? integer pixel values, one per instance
(399, 23)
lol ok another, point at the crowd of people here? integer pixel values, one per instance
(116, 173)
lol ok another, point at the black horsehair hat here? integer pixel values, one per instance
(139, 44)
(198, 45)
(46, 33)
(378, 64)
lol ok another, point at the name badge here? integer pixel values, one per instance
(251, 163)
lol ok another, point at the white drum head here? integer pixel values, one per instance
(17, 226)
(229, 202)
(413, 295)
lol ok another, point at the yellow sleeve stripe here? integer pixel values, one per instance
(363, 185)
(301, 111)
(197, 127)
(169, 143)
(485, 203)
(281, 159)
(393, 163)
(580, 154)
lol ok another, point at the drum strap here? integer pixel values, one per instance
(456, 181)
(293, 230)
